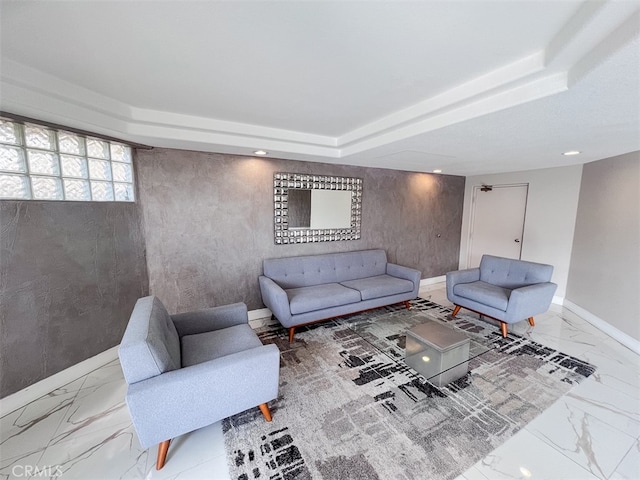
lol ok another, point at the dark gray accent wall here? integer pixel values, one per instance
(70, 274)
(208, 221)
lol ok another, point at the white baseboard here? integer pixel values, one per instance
(257, 318)
(44, 387)
(605, 327)
(259, 313)
(260, 318)
(433, 280)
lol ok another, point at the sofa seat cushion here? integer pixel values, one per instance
(484, 293)
(319, 297)
(379, 286)
(203, 347)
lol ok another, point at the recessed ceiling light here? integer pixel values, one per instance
(437, 170)
(260, 152)
(572, 152)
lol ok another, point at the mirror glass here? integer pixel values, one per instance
(310, 208)
(299, 203)
(319, 208)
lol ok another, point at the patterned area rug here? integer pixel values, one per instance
(350, 408)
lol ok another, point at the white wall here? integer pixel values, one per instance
(605, 265)
(550, 219)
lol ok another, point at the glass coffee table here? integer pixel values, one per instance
(437, 351)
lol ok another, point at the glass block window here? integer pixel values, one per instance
(40, 163)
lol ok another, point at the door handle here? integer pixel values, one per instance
(517, 240)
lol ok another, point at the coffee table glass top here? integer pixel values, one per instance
(388, 334)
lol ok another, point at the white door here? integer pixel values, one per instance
(497, 222)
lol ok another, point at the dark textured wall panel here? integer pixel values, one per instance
(70, 274)
(208, 222)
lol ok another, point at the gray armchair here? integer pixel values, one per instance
(190, 370)
(504, 289)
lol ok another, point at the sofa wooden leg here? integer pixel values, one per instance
(531, 322)
(456, 310)
(503, 329)
(292, 331)
(163, 448)
(407, 304)
(264, 408)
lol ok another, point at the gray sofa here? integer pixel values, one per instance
(303, 290)
(505, 289)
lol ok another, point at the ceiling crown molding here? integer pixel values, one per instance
(482, 86)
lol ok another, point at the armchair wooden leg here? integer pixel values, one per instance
(163, 448)
(531, 322)
(264, 408)
(503, 329)
(292, 331)
(456, 310)
(407, 304)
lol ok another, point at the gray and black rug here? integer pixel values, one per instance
(350, 408)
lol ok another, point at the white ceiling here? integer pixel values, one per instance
(470, 87)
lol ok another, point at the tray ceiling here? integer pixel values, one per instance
(466, 87)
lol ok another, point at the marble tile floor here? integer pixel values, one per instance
(83, 430)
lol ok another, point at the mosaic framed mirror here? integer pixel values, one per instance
(316, 208)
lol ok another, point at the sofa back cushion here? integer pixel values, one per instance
(150, 345)
(305, 271)
(510, 273)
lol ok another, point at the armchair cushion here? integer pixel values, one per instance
(219, 343)
(484, 293)
(150, 345)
